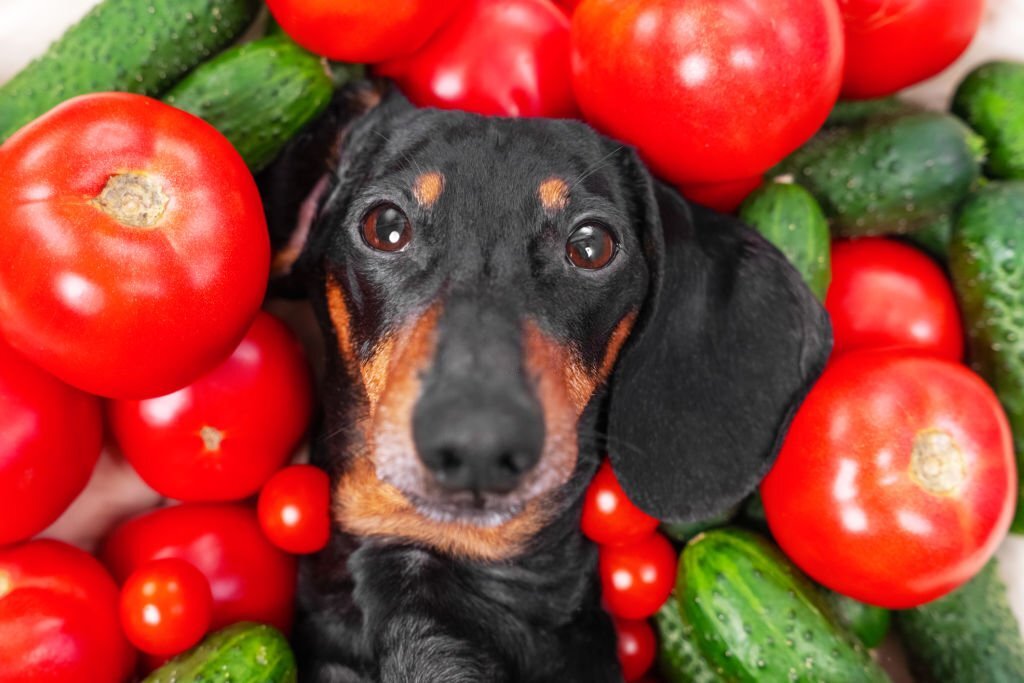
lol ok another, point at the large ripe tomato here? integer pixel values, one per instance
(502, 57)
(708, 90)
(885, 294)
(222, 436)
(50, 440)
(637, 579)
(166, 606)
(135, 252)
(896, 481)
(361, 30)
(250, 579)
(892, 44)
(58, 617)
(295, 509)
(609, 516)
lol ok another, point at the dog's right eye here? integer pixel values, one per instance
(386, 228)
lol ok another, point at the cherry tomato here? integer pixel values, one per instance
(249, 578)
(222, 436)
(50, 440)
(362, 30)
(609, 516)
(892, 44)
(896, 481)
(707, 90)
(887, 294)
(135, 249)
(166, 606)
(637, 579)
(58, 617)
(503, 57)
(295, 509)
(635, 646)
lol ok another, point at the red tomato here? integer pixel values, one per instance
(896, 481)
(50, 439)
(708, 90)
(295, 509)
(892, 44)
(637, 579)
(725, 196)
(609, 516)
(635, 646)
(361, 30)
(887, 294)
(135, 249)
(568, 6)
(503, 57)
(58, 617)
(166, 606)
(222, 436)
(249, 578)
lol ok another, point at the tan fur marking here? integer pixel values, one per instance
(554, 194)
(337, 309)
(428, 187)
(619, 336)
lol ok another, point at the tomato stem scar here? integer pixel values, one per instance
(211, 437)
(936, 463)
(132, 198)
(5, 584)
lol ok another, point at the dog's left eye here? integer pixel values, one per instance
(386, 228)
(591, 247)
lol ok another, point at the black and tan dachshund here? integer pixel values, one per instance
(505, 301)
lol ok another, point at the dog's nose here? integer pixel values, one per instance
(481, 445)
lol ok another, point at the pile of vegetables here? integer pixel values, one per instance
(136, 260)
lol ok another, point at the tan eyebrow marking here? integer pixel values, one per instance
(428, 187)
(554, 194)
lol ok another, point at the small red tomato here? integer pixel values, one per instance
(222, 436)
(50, 440)
(501, 57)
(637, 579)
(166, 606)
(609, 517)
(885, 294)
(295, 509)
(635, 646)
(897, 479)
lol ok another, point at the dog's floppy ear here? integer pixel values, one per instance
(729, 342)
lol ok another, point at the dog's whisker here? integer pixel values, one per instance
(597, 166)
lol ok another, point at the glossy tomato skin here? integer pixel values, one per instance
(221, 437)
(637, 579)
(707, 90)
(893, 44)
(885, 294)
(609, 516)
(295, 509)
(58, 617)
(249, 578)
(122, 310)
(362, 31)
(896, 481)
(166, 606)
(498, 57)
(636, 647)
(726, 196)
(50, 440)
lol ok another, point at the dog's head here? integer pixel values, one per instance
(484, 283)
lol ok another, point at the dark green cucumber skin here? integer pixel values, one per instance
(968, 636)
(888, 176)
(683, 532)
(758, 619)
(991, 101)
(869, 623)
(987, 264)
(935, 237)
(679, 659)
(791, 218)
(138, 46)
(856, 112)
(253, 653)
(258, 95)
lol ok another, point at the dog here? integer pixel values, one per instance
(503, 302)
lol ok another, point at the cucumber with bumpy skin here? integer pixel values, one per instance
(857, 112)
(869, 623)
(137, 46)
(679, 659)
(253, 653)
(991, 100)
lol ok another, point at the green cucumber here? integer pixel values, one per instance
(758, 619)
(869, 623)
(253, 653)
(679, 659)
(259, 95)
(991, 100)
(684, 531)
(856, 112)
(968, 636)
(139, 46)
(935, 237)
(987, 263)
(889, 176)
(792, 220)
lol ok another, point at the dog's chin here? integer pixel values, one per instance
(468, 509)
